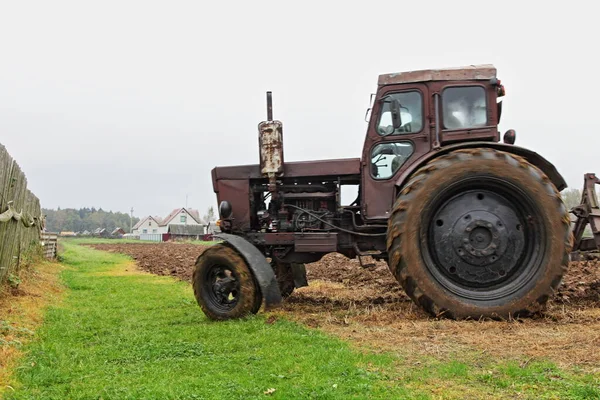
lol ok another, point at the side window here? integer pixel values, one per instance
(464, 107)
(145, 231)
(183, 218)
(411, 114)
(387, 158)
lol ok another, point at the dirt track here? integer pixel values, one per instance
(368, 307)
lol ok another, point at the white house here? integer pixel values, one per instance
(147, 224)
(179, 216)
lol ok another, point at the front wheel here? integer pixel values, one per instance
(479, 233)
(223, 284)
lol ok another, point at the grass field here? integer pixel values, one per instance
(120, 333)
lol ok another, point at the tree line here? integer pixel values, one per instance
(85, 219)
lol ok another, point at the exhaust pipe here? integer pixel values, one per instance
(270, 142)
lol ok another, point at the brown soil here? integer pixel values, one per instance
(368, 307)
(174, 259)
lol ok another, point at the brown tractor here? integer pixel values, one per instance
(469, 226)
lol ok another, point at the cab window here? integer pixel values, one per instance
(411, 114)
(464, 107)
(387, 158)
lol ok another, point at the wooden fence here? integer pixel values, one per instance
(21, 218)
(49, 242)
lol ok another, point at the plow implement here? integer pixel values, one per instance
(587, 213)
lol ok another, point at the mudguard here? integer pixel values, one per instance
(548, 168)
(259, 266)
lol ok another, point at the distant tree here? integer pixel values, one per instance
(70, 219)
(571, 197)
(209, 216)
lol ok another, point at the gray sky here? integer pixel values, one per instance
(116, 104)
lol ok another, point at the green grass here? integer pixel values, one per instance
(124, 335)
(119, 336)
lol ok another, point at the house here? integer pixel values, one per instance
(179, 216)
(147, 224)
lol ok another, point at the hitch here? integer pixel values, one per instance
(360, 254)
(588, 212)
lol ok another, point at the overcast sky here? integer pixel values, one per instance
(116, 104)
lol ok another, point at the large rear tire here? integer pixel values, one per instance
(223, 284)
(479, 233)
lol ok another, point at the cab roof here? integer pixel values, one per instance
(467, 73)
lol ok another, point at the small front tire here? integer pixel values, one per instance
(223, 285)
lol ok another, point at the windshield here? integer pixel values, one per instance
(464, 107)
(411, 113)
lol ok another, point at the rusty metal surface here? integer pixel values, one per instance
(336, 167)
(315, 242)
(279, 238)
(588, 212)
(377, 196)
(271, 148)
(237, 192)
(310, 195)
(471, 72)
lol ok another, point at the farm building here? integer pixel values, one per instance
(118, 232)
(185, 232)
(101, 232)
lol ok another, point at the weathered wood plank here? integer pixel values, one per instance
(16, 237)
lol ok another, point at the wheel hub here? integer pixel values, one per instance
(477, 239)
(224, 287)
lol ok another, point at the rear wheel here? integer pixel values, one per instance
(223, 284)
(479, 232)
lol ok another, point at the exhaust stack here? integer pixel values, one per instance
(270, 141)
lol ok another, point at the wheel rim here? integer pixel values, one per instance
(484, 238)
(221, 287)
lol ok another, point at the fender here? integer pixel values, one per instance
(259, 267)
(534, 158)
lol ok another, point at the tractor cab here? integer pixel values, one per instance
(418, 113)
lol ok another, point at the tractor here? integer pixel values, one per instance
(470, 224)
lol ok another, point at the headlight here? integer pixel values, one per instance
(225, 209)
